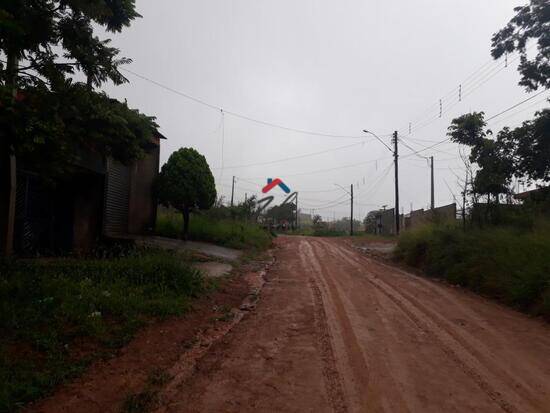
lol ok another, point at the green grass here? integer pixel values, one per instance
(508, 264)
(60, 314)
(230, 233)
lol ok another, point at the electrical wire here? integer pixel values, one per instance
(517, 104)
(239, 115)
(294, 157)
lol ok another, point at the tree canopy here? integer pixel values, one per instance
(186, 182)
(45, 116)
(35, 31)
(522, 152)
(530, 22)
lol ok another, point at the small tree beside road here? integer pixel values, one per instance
(186, 183)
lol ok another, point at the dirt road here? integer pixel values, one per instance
(338, 332)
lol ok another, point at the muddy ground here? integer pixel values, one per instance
(334, 331)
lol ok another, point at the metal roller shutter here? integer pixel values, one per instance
(117, 197)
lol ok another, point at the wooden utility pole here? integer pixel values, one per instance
(232, 190)
(396, 166)
(432, 186)
(351, 213)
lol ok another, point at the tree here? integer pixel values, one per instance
(284, 212)
(532, 147)
(48, 129)
(45, 117)
(530, 22)
(317, 220)
(185, 183)
(494, 157)
(36, 30)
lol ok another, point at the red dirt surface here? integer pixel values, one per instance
(106, 384)
(336, 331)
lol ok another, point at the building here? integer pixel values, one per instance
(381, 222)
(419, 217)
(101, 198)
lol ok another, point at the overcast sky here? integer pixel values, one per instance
(335, 67)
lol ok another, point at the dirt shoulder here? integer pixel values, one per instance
(129, 381)
(334, 331)
(338, 331)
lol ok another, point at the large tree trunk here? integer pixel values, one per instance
(8, 170)
(185, 213)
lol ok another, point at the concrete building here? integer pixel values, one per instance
(446, 213)
(101, 198)
(381, 222)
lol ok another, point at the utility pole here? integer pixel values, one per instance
(296, 210)
(464, 203)
(351, 213)
(232, 190)
(396, 166)
(432, 187)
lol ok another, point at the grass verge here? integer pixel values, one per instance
(230, 233)
(508, 264)
(60, 314)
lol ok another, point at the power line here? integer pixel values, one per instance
(545, 99)
(294, 157)
(517, 104)
(329, 169)
(239, 115)
(476, 82)
(492, 117)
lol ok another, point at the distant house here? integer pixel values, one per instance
(534, 195)
(419, 217)
(102, 198)
(305, 220)
(380, 222)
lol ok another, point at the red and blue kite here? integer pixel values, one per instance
(272, 183)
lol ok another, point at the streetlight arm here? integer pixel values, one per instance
(341, 187)
(377, 137)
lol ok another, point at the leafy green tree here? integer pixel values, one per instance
(45, 117)
(531, 146)
(284, 212)
(185, 183)
(531, 21)
(36, 31)
(494, 157)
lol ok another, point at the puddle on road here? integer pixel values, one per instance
(213, 269)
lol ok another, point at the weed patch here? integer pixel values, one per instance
(227, 232)
(60, 314)
(509, 264)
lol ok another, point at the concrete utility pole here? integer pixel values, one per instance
(464, 203)
(396, 166)
(296, 210)
(232, 190)
(351, 212)
(432, 186)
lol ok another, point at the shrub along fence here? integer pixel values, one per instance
(507, 263)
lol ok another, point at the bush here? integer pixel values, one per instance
(202, 227)
(50, 306)
(508, 264)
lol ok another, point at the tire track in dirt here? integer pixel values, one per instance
(333, 382)
(441, 335)
(515, 386)
(380, 374)
(356, 363)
